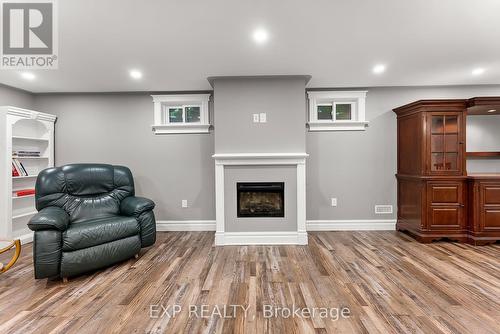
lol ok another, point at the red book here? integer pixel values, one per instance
(14, 170)
(25, 192)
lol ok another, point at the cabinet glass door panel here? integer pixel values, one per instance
(445, 143)
(451, 161)
(437, 143)
(451, 143)
(437, 161)
(437, 124)
(451, 124)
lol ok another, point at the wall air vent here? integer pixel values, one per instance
(383, 209)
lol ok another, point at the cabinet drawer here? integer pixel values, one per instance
(490, 206)
(447, 193)
(492, 220)
(491, 194)
(445, 217)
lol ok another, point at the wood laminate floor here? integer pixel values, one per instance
(389, 283)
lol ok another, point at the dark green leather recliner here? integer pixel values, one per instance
(88, 219)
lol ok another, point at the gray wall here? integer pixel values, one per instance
(356, 167)
(236, 99)
(15, 97)
(116, 129)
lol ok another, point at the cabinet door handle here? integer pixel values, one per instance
(462, 205)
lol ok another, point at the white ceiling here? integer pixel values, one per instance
(178, 44)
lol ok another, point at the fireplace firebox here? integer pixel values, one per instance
(260, 199)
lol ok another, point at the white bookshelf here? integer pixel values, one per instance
(30, 138)
(22, 130)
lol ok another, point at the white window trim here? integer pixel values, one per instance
(162, 123)
(355, 98)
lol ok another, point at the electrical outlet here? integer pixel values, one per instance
(256, 118)
(184, 203)
(334, 201)
(263, 117)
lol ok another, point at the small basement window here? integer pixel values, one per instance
(337, 110)
(181, 113)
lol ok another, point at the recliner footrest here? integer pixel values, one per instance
(88, 259)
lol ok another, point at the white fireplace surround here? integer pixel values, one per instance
(298, 237)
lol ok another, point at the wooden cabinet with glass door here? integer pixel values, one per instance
(437, 197)
(431, 151)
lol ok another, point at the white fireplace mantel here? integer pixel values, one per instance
(298, 237)
(259, 158)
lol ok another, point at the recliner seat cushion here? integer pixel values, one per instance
(94, 232)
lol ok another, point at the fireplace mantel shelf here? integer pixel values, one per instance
(227, 156)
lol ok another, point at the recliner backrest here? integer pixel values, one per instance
(84, 191)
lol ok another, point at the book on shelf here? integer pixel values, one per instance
(21, 154)
(24, 192)
(15, 173)
(18, 168)
(22, 167)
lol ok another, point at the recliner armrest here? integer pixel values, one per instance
(50, 218)
(135, 206)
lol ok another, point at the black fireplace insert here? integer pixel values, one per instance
(260, 199)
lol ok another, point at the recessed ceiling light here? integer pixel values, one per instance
(135, 74)
(28, 75)
(492, 110)
(478, 71)
(260, 36)
(378, 69)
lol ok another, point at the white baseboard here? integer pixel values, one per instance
(260, 238)
(185, 225)
(352, 225)
(256, 238)
(312, 225)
